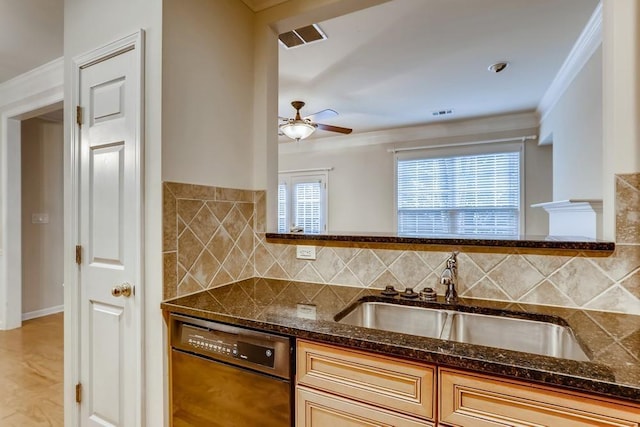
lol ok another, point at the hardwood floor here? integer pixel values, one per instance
(31, 373)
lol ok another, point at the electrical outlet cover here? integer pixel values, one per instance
(305, 252)
(40, 218)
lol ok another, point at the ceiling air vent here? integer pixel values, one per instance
(301, 36)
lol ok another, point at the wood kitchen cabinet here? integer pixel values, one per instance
(474, 400)
(343, 387)
(318, 409)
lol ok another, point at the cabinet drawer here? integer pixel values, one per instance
(318, 409)
(474, 400)
(381, 381)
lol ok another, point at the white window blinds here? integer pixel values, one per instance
(282, 207)
(307, 206)
(462, 195)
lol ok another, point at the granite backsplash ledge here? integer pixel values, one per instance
(214, 236)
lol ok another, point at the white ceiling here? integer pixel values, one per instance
(392, 65)
(31, 34)
(384, 67)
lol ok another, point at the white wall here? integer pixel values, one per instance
(621, 94)
(360, 185)
(363, 175)
(538, 178)
(88, 25)
(575, 127)
(207, 91)
(42, 192)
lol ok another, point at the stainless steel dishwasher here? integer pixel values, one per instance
(223, 375)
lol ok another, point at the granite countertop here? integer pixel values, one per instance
(598, 247)
(612, 341)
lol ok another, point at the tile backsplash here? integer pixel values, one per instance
(610, 284)
(208, 236)
(214, 236)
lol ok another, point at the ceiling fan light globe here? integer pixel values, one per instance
(298, 129)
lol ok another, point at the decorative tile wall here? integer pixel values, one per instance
(208, 236)
(628, 208)
(214, 236)
(610, 284)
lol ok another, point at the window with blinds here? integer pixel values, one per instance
(282, 207)
(475, 194)
(302, 203)
(307, 205)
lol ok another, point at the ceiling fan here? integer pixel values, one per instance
(302, 127)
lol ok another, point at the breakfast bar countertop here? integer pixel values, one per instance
(611, 340)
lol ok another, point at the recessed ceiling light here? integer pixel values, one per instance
(498, 67)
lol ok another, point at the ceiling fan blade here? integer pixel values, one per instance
(323, 114)
(333, 128)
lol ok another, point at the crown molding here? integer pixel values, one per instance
(432, 131)
(258, 5)
(586, 45)
(37, 80)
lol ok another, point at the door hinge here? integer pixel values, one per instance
(79, 115)
(78, 254)
(78, 393)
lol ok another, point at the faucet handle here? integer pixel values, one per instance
(409, 294)
(428, 294)
(389, 291)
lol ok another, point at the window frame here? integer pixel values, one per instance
(289, 179)
(459, 151)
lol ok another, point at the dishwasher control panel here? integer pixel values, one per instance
(204, 340)
(255, 350)
(229, 345)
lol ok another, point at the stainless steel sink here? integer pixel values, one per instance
(508, 333)
(406, 319)
(511, 333)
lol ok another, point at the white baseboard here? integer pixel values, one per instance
(43, 312)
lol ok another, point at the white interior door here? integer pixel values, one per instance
(110, 221)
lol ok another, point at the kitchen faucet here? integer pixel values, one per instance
(449, 278)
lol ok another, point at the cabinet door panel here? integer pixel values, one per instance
(478, 401)
(318, 409)
(382, 381)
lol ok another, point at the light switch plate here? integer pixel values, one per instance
(40, 218)
(305, 252)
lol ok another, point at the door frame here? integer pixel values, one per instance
(28, 95)
(73, 359)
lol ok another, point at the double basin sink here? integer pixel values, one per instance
(510, 333)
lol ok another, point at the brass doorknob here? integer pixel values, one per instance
(124, 290)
